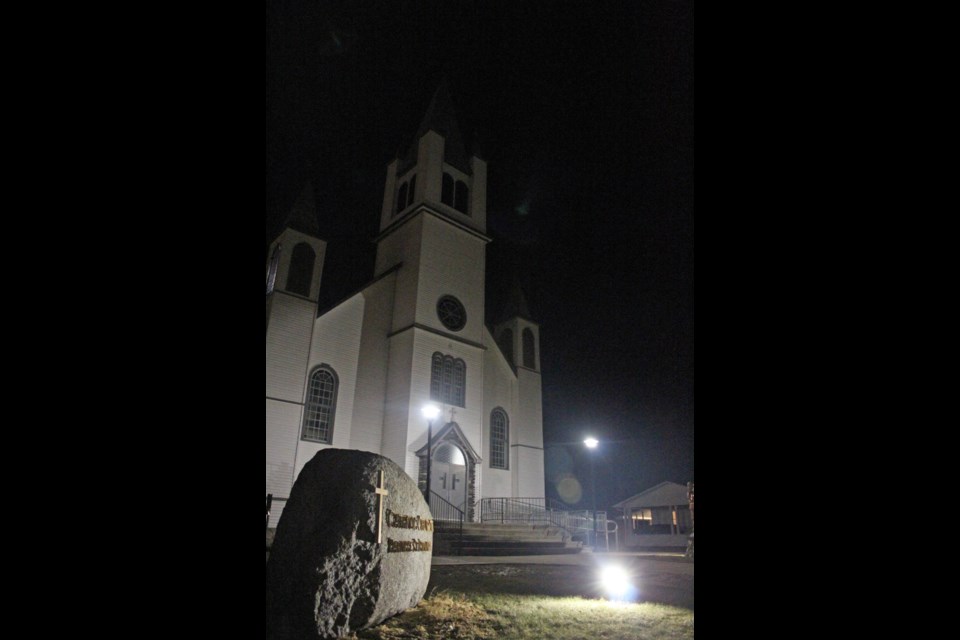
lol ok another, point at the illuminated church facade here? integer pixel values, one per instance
(357, 375)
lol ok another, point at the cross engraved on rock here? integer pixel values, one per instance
(381, 491)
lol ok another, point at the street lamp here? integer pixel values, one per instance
(430, 412)
(591, 443)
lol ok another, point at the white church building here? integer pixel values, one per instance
(357, 375)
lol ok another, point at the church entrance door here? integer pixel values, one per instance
(448, 475)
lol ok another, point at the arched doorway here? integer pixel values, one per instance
(453, 468)
(449, 474)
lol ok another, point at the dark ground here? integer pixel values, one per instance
(663, 580)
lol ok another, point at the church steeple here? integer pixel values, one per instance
(295, 261)
(517, 334)
(437, 172)
(440, 118)
(516, 303)
(303, 214)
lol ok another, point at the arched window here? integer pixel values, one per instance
(413, 188)
(506, 344)
(460, 199)
(499, 438)
(448, 379)
(436, 376)
(529, 350)
(446, 191)
(402, 198)
(301, 269)
(321, 405)
(458, 385)
(272, 269)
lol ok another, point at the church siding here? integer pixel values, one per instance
(529, 436)
(456, 267)
(288, 336)
(402, 246)
(368, 413)
(499, 390)
(530, 411)
(530, 472)
(283, 419)
(336, 343)
(397, 400)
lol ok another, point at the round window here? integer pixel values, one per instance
(451, 313)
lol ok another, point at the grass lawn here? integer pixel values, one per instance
(534, 602)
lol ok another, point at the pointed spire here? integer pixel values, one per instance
(440, 118)
(516, 305)
(303, 214)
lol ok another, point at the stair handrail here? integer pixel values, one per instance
(528, 510)
(438, 505)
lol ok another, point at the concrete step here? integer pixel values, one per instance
(518, 551)
(510, 528)
(518, 535)
(487, 539)
(512, 534)
(511, 543)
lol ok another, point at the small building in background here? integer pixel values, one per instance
(656, 519)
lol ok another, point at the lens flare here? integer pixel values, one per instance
(616, 582)
(569, 489)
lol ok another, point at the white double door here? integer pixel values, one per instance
(448, 475)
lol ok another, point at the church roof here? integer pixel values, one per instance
(516, 304)
(440, 118)
(303, 214)
(451, 432)
(665, 494)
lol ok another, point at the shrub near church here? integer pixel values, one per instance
(352, 548)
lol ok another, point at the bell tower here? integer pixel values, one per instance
(294, 264)
(432, 234)
(436, 172)
(296, 255)
(433, 222)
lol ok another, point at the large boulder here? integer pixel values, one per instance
(327, 575)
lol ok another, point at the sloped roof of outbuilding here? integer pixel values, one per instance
(665, 494)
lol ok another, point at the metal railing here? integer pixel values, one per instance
(505, 510)
(532, 510)
(578, 523)
(447, 518)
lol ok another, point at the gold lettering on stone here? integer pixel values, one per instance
(395, 546)
(400, 521)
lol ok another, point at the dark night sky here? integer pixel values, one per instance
(585, 117)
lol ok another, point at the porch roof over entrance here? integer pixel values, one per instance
(452, 433)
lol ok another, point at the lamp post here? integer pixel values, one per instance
(429, 411)
(592, 444)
